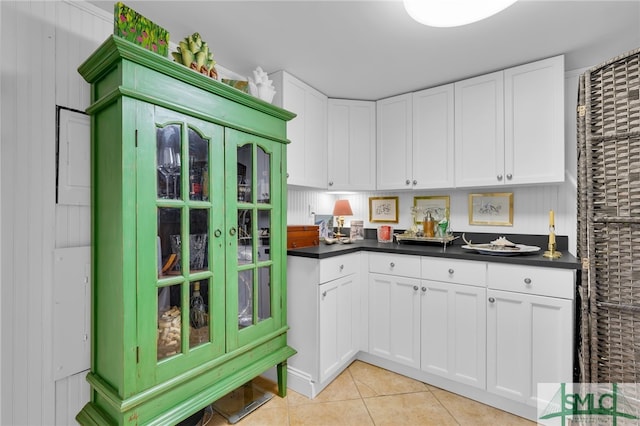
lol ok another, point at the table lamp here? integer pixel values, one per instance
(341, 209)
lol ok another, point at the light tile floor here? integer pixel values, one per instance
(367, 395)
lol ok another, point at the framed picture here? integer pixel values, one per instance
(437, 206)
(325, 225)
(383, 209)
(357, 230)
(491, 209)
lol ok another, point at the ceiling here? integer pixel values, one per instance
(372, 49)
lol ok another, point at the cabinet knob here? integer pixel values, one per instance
(232, 231)
(331, 183)
(217, 233)
(424, 289)
(407, 182)
(451, 271)
(392, 264)
(287, 175)
(341, 267)
(527, 281)
(415, 182)
(509, 176)
(324, 294)
(415, 288)
(492, 300)
(499, 177)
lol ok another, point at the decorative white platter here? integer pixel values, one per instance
(494, 250)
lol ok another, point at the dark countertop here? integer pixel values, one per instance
(455, 251)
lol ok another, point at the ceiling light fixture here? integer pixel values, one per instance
(453, 13)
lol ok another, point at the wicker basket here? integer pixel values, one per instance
(609, 220)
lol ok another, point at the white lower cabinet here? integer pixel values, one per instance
(394, 318)
(453, 332)
(338, 316)
(323, 307)
(436, 326)
(489, 331)
(529, 330)
(453, 343)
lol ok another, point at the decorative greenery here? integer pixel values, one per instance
(134, 27)
(194, 53)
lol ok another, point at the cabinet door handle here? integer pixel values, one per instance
(424, 289)
(527, 281)
(415, 182)
(509, 176)
(415, 288)
(407, 182)
(330, 183)
(392, 265)
(217, 233)
(232, 231)
(341, 267)
(324, 294)
(499, 177)
(451, 271)
(492, 300)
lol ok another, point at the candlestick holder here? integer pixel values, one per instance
(551, 252)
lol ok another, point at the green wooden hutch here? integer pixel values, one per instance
(189, 238)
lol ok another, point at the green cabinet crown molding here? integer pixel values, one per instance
(115, 49)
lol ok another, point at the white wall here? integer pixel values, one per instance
(42, 43)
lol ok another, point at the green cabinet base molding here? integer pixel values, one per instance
(188, 238)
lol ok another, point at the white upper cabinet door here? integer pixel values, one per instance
(307, 152)
(352, 145)
(433, 138)
(534, 122)
(479, 131)
(315, 139)
(394, 152)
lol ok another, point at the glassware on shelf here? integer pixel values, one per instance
(169, 167)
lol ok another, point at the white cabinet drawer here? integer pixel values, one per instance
(454, 271)
(532, 280)
(395, 264)
(339, 266)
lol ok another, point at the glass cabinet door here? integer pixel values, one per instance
(181, 308)
(255, 221)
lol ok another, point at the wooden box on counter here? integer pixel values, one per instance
(299, 236)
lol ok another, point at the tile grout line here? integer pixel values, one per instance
(360, 394)
(455, 419)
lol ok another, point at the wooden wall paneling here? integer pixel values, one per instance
(80, 29)
(28, 176)
(71, 311)
(72, 393)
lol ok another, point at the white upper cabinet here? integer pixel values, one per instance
(534, 122)
(433, 138)
(352, 145)
(479, 134)
(307, 152)
(510, 126)
(394, 139)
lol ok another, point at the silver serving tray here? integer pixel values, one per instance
(438, 240)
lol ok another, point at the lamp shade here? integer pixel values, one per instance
(342, 208)
(453, 13)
